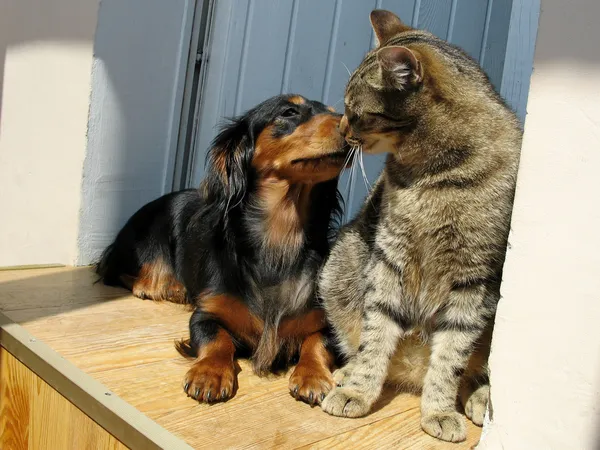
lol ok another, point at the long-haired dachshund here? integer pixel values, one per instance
(245, 248)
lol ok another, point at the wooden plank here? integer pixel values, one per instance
(282, 421)
(117, 326)
(127, 345)
(15, 404)
(35, 416)
(401, 431)
(95, 400)
(30, 289)
(31, 266)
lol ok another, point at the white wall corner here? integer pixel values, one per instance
(545, 358)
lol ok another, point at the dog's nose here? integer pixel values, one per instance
(344, 125)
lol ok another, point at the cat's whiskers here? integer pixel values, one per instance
(347, 70)
(352, 162)
(336, 103)
(348, 157)
(352, 156)
(362, 169)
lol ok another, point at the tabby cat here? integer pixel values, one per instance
(411, 285)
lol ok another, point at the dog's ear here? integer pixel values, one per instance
(229, 165)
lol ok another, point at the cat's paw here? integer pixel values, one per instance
(476, 405)
(448, 426)
(345, 402)
(341, 374)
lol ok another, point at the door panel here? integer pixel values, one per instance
(434, 15)
(467, 26)
(304, 73)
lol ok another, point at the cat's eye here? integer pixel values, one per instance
(289, 112)
(384, 116)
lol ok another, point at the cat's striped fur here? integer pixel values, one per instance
(411, 285)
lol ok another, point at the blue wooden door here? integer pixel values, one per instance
(260, 48)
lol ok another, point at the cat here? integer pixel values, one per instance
(412, 283)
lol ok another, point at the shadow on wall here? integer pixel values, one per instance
(140, 58)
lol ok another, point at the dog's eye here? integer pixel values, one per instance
(290, 112)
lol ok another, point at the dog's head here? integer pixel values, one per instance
(286, 137)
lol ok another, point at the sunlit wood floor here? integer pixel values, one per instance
(127, 344)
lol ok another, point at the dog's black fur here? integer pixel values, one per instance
(192, 245)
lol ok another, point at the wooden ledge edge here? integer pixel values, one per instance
(119, 418)
(31, 266)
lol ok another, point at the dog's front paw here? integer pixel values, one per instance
(211, 380)
(310, 384)
(345, 402)
(476, 405)
(448, 426)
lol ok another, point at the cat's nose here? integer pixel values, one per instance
(344, 126)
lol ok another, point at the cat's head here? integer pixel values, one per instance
(400, 84)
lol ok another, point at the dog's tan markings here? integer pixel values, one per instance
(234, 315)
(267, 150)
(311, 380)
(331, 108)
(298, 157)
(285, 211)
(297, 100)
(302, 326)
(156, 281)
(213, 376)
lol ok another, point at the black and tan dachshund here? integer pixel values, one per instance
(244, 249)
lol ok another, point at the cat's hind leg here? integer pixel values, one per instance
(475, 387)
(458, 328)
(477, 402)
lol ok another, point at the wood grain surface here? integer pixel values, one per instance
(127, 344)
(33, 416)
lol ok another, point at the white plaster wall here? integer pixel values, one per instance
(140, 59)
(545, 359)
(45, 69)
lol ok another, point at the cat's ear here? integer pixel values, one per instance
(386, 25)
(400, 67)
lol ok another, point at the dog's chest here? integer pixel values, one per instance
(287, 297)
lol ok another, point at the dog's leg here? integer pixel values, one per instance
(213, 376)
(311, 380)
(156, 282)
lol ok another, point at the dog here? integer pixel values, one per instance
(244, 249)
